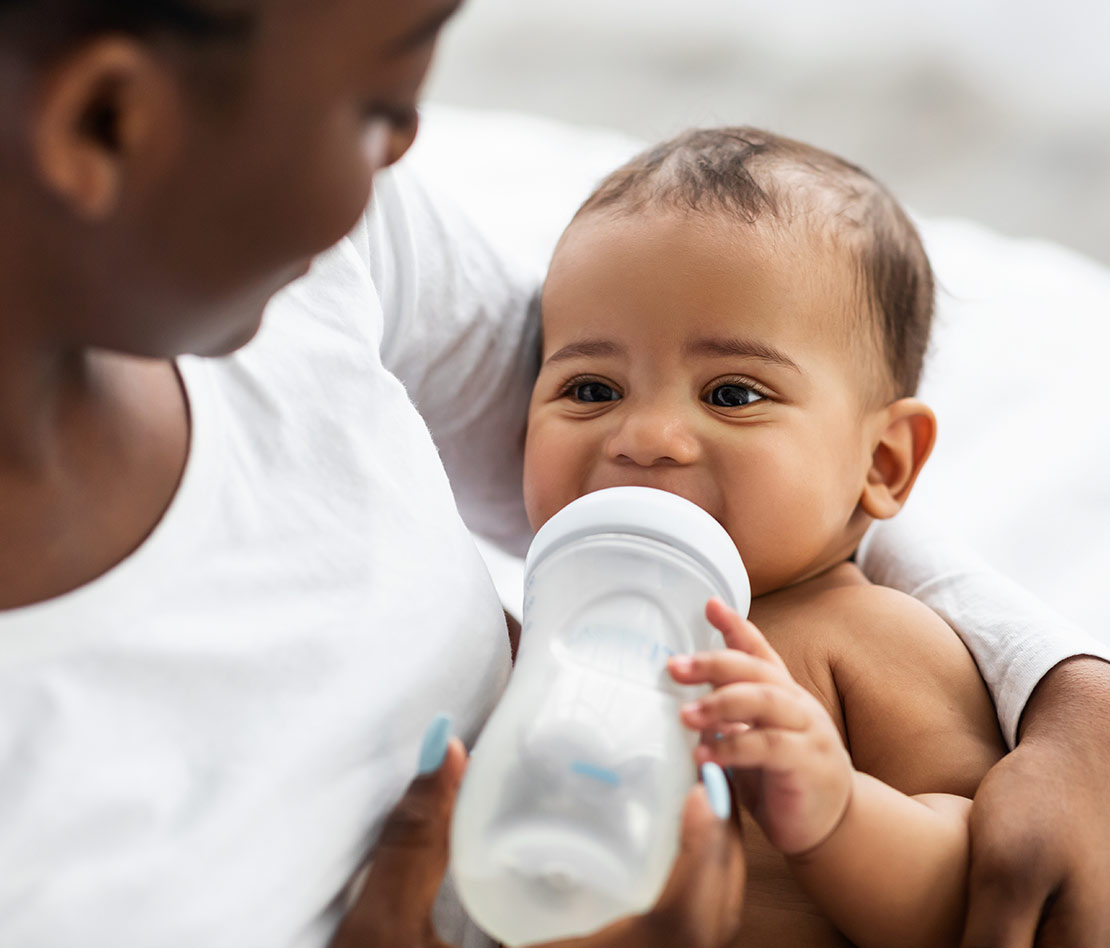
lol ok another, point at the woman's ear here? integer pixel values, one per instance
(106, 120)
(906, 431)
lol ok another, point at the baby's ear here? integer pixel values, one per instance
(905, 431)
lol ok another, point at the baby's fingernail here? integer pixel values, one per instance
(716, 789)
(434, 747)
(681, 663)
(692, 709)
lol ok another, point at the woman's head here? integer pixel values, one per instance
(171, 163)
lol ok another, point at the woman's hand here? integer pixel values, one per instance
(1040, 823)
(699, 908)
(793, 772)
(394, 908)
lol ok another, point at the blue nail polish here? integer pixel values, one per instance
(716, 788)
(434, 747)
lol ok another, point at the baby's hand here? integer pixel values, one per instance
(791, 769)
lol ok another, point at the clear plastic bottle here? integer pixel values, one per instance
(568, 817)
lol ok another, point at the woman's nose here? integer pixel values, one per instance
(651, 436)
(401, 138)
(385, 140)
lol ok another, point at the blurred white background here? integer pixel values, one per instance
(998, 110)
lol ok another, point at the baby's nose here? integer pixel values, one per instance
(655, 436)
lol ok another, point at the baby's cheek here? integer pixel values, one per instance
(775, 535)
(539, 485)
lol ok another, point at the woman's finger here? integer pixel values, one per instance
(410, 859)
(701, 903)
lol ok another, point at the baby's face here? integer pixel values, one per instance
(714, 361)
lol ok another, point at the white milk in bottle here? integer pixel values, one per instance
(568, 817)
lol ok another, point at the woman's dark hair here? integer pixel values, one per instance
(69, 20)
(753, 175)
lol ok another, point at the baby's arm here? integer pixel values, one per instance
(885, 867)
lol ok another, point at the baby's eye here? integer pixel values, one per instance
(733, 395)
(594, 392)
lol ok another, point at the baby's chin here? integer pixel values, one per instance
(784, 581)
(763, 585)
(768, 573)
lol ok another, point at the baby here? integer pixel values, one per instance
(741, 319)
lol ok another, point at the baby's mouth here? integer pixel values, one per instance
(683, 491)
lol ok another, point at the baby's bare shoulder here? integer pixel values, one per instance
(854, 621)
(911, 704)
(916, 711)
(876, 620)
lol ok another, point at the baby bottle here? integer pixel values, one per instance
(568, 816)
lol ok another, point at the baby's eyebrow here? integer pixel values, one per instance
(585, 349)
(744, 348)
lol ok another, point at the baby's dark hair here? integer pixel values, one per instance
(755, 175)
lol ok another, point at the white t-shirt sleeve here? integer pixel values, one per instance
(1014, 637)
(460, 333)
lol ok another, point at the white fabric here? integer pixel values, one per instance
(1015, 375)
(198, 747)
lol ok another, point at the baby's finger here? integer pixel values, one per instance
(739, 633)
(771, 749)
(754, 704)
(725, 667)
(714, 733)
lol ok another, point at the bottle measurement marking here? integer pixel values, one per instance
(600, 774)
(619, 649)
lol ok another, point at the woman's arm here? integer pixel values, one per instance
(1037, 866)
(1040, 826)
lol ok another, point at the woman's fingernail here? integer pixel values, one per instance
(716, 788)
(434, 747)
